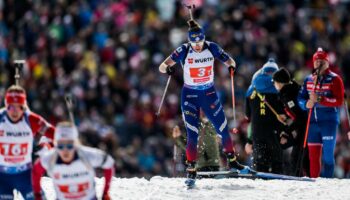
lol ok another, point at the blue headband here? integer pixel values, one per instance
(196, 36)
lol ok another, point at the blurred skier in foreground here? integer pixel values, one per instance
(18, 129)
(71, 167)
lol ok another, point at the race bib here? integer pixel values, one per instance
(74, 190)
(80, 187)
(13, 152)
(201, 74)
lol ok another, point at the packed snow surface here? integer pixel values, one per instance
(161, 188)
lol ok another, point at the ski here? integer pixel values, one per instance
(258, 175)
(224, 174)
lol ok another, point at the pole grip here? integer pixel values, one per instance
(18, 66)
(69, 105)
(190, 7)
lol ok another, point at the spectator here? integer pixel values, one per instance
(208, 147)
(323, 94)
(267, 152)
(296, 119)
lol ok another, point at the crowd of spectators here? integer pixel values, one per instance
(107, 52)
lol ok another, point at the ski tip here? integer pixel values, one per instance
(190, 187)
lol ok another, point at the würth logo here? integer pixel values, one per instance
(202, 60)
(190, 61)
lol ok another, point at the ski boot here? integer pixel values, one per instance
(191, 174)
(235, 166)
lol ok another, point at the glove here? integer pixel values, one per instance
(231, 69)
(106, 196)
(43, 147)
(170, 70)
(289, 139)
(39, 196)
(248, 148)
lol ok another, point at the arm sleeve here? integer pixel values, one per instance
(37, 172)
(337, 89)
(303, 96)
(279, 106)
(218, 52)
(108, 174)
(40, 126)
(179, 54)
(98, 158)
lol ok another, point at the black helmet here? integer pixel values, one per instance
(281, 76)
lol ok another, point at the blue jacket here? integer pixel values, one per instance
(331, 89)
(262, 83)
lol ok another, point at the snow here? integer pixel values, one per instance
(161, 188)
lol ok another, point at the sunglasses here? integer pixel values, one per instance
(197, 43)
(14, 108)
(61, 147)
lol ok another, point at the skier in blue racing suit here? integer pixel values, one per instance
(198, 92)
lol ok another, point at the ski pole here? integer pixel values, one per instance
(164, 93)
(233, 98)
(347, 112)
(234, 130)
(174, 160)
(310, 110)
(18, 66)
(301, 156)
(69, 105)
(270, 107)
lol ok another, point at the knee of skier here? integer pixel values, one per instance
(328, 160)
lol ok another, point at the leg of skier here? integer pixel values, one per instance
(315, 148)
(24, 185)
(7, 186)
(297, 167)
(213, 109)
(328, 132)
(190, 113)
(261, 157)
